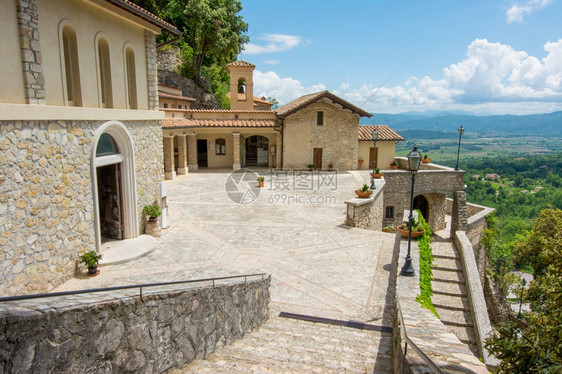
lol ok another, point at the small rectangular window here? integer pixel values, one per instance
(320, 118)
(389, 213)
(165, 105)
(220, 147)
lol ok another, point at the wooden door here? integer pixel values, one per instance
(371, 158)
(317, 160)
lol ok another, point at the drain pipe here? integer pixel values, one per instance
(279, 127)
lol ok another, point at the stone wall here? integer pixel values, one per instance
(337, 137)
(169, 58)
(46, 199)
(434, 185)
(366, 213)
(165, 330)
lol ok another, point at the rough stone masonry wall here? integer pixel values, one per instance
(151, 69)
(366, 213)
(337, 137)
(46, 203)
(28, 21)
(167, 330)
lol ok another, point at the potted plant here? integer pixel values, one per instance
(152, 212)
(426, 159)
(417, 229)
(364, 192)
(261, 181)
(330, 166)
(310, 167)
(394, 165)
(377, 173)
(91, 259)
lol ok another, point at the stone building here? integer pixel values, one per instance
(319, 129)
(80, 133)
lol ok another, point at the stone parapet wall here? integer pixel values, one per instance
(46, 198)
(162, 331)
(169, 58)
(475, 291)
(151, 69)
(366, 213)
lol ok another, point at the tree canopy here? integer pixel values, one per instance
(536, 345)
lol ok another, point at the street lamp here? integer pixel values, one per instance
(461, 131)
(414, 159)
(523, 283)
(375, 137)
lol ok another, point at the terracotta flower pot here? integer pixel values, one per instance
(364, 195)
(261, 184)
(377, 176)
(426, 160)
(404, 233)
(394, 167)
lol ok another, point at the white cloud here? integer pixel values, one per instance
(270, 84)
(273, 43)
(492, 75)
(519, 10)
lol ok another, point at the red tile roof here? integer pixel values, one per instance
(241, 63)
(133, 8)
(175, 97)
(229, 111)
(169, 123)
(306, 100)
(385, 133)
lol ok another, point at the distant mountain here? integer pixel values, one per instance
(549, 124)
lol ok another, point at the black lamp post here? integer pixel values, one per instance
(461, 131)
(414, 159)
(375, 137)
(523, 283)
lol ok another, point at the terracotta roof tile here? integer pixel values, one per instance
(241, 63)
(169, 123)
(177, 97)
(385, 133)
(144, 14)
(305, 100)
(229, 111)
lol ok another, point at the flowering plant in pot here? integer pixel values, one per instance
(152, 212)
(261, 181)
(91, 260)
(364, 191)
(377, 173)
(394, 165)
(426, 159)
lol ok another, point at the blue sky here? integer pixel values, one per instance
(477, 56)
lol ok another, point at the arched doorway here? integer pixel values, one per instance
(421, 203)
(113, 184)
(257, 151)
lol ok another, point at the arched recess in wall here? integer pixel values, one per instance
(103, 63)
(242, 88)
(70, 67)
(113, 183)
(130, 75)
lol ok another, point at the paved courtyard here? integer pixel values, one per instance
(293, 230)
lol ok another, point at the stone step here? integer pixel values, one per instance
(450, 263)
(445, 257)
(448, 315)
(450, 307)
(440, 275)
(445, 268)
(465, 334)
(457, 323)
(450, 292)
(452, 301)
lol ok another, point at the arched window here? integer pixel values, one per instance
(71, 68)
(131, 78)
(104, 66)
(220, 146)
(241, 86)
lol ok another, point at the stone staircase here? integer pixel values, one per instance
(284, 345)
(450, 296)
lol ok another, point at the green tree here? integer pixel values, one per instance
(536, 346)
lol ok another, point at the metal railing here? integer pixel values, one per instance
(118, 288)
(432, 365)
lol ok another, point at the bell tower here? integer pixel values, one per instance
(241, 85)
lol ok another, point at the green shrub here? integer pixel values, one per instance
(152, 212)
(90, 259)
(426, 259)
